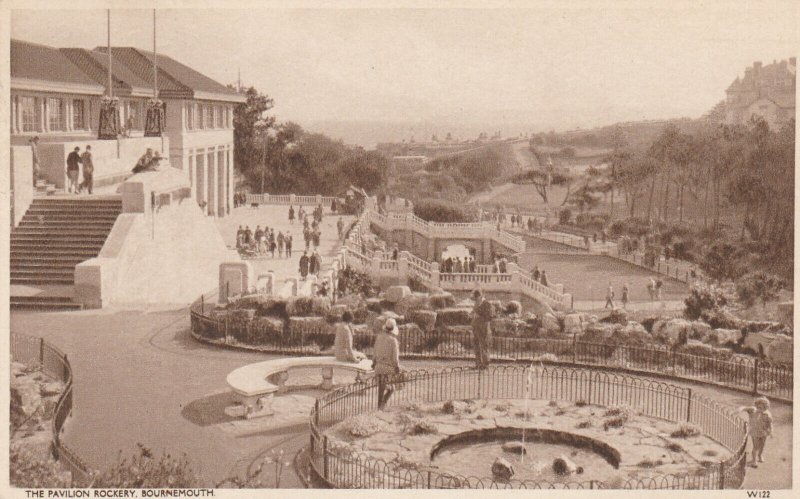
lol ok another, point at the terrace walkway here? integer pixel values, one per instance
(140, 377)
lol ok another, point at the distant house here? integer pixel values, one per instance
(765, 91)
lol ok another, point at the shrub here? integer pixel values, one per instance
(649, 463)
(436, 210)
(565, 216)
(144, 471)
(702, 299)
(353, 281)
(581, 403)
(674, 447)
(634, 227)
(513, 307)
(363, 425)
(686, 430)
(422, 428)
(584, 424)
(26, 470)
(758, 286)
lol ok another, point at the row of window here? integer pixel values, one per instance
(208, 116)
(30, 111)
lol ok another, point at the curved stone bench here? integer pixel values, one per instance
(255, 384)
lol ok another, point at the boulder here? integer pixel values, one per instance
(502, 469)
(442, 300)
(550, 324)
(698, 330)
(563, 465)
(616, 316)
(373, 305)
(514, 448)
(25, 394)
(320, 305)
(573, 324)
(336, 311)
(717, 337)
(299, 306)
(781, 349)
(508, 326)
(425, 319)
(453, 317)
(674, 331)
(51, 389)
(598, 333)
(635, 332)
(513, 308)
(396, 293)
(416, 301)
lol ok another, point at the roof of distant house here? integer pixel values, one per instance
(40, 67)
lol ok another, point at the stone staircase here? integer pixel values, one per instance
(44, 188)
(54, 235)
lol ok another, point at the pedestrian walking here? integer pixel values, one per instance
(317, 262)
(304, 264)
(659, 285)
(73, 169)
(386, 360)
(609, 297)
(651, 289)
(291, 215)
(340, 227)
(281, 242)
(625, 292)
(536, 273)
(289, 246)
(88, 170)
(543, 279)
(482, 314)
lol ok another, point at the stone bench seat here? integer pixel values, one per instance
(255, 384)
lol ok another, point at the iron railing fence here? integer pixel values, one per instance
(744, 373)
(340, 467)
(34, 351)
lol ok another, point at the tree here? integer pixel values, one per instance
(250, 126)
(619, 155)
(758, 286)
(721, 261)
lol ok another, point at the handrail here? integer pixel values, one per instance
(54, 364)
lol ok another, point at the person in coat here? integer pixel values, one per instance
(317, 262)
(304, 264)
(482, 315)
(291, 214)
(74, 169)
(343, 342)
(386, 361)
(88, 170)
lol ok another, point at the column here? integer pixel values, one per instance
(13, 114)
(44, 123)
(212, 183)
(222, 197)
(190, 167)
(68, 114)
(229, 170)
(200, 168)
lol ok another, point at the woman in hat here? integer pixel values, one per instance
(343, 344)
(386, 360)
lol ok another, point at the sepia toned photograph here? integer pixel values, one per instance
(541, 245)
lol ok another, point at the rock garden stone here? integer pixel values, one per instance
(550, 324)
(513, 307)
(416, 301)
(502, 469)
(453, 317)
(396, 293)
(573, 324)
(374, 305)
(425, 319)
(514, 448)
(508, 326)
(563, 465)
(442, 300)
(699, 330)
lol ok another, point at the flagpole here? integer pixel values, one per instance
(108, 25)
(155, 65)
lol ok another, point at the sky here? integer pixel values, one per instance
(548, 67)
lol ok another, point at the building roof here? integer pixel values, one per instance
(95, 65)
(175, 80)
(39, 67)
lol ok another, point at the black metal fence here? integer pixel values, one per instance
(339, 467)
(33, 351)
(740, 372)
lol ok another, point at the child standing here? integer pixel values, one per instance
(759, 427)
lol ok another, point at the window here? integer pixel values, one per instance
(78, 115)
(29, 110)
(134, 116)
(208, 119)
(218, 116)
(190, 116)
(55, 115)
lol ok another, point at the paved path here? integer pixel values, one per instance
(277, 218)
(140, 377)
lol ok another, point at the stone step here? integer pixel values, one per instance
(59, 232)
(45, 265)
(43, 303)
(53, 223)
(40, 280)
(56, 247)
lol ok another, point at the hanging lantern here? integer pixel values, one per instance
(156, 120)
(109, 127)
